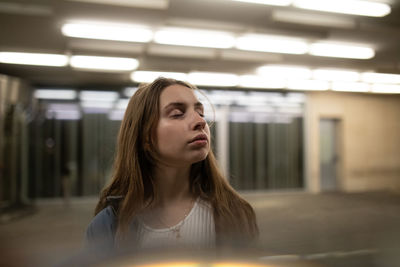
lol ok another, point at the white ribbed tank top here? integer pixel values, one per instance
(196, 230)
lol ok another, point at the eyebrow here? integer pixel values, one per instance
(181, 104)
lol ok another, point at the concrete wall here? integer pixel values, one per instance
(369, 139)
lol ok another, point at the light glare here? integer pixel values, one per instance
(194, 37)
(353, 7)
(272, 44)
(341, 51)
(267, 2)
(284, 72)
(103, 31)
(149, 76)
(336, 75)
(213, 79)
(385, 88)
(101, 96)
(372, 77)
(38, 59)
(350, 87)
(55, 94)
(104, 63)
(255, 81)
(308, 85)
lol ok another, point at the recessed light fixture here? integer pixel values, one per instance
(149, 76)
(352, 7)
(341, 50)
(194, 37)
(213, 79)
(272, 44)
(60, 94)
(108, 31)
(104, 63)
(38, 59)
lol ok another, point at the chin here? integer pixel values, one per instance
(199, 158)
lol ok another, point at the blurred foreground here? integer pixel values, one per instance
(297, 229)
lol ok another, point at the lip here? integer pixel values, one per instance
(199, 137)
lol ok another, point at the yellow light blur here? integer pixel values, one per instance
(173, 264)
(239, 264)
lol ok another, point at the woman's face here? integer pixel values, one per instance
(183, 136)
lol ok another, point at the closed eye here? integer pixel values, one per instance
(176, 113)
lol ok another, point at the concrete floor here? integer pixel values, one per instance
(330, 229)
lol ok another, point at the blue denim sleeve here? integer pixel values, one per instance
(101, 231)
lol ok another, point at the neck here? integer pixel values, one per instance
(172, 184)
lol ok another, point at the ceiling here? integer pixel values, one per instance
(35, 26)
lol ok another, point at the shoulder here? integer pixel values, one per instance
(102, 227)
(204, 206)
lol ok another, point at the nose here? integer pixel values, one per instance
(198, 122)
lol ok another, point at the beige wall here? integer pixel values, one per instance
(369, 139)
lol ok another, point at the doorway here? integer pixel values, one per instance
(329, 154)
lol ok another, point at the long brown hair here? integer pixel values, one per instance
(136, 156)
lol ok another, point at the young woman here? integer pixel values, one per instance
(167, 190)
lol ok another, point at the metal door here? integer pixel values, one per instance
(328, 154)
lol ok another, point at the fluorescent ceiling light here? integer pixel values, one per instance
(116, 115)
(37, 59)
(350, 87)
(104, 63)
(62, 106)
(122, 104)
(186, 52)
(321, 20)
(150, 76)
(55, 94)
(312, 85)
(385, 88)
(103, 31)
(63, 114)
(336, 75)
(97, 105)
(129, 91)
(100, 96)
(156, 4)
(352, 7)
(272, 44)
(371, 77)
(194, 37)
(241, 55)
(63, 111)
(284, 72)
(255, 81)
(267, 2)
(341, 51)
(213, 79)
